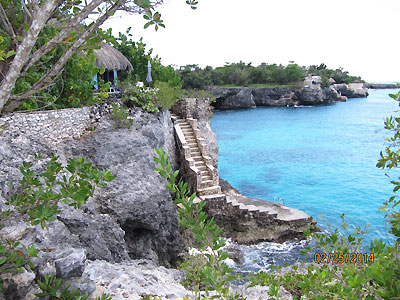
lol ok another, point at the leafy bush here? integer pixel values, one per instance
(163, 96)
(120, 116)
(167, 94)
(140, 96)
(51, 289)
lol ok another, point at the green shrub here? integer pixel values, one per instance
(120, 116)
(167, 94)
(139, 96)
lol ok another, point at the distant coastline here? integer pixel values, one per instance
(378, 86)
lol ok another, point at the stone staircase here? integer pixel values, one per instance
(207, 176)
(246, 220)
(196, 158)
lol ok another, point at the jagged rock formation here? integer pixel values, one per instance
(233, 98)
(274, 97)
(352, 90)
(132, 218)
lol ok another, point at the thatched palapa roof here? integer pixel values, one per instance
(111, 59)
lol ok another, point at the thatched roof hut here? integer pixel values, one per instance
(111, 59)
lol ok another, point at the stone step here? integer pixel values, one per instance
(200, 163)
(212, 196)
(201, 167)
(205, 177)
(252, 208)
(197, 158)
(195, 153)
(210, 190)
(239, 205)
(206, 183)
(192, 144)
(232, 201)
(190, 140)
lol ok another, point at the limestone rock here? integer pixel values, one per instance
(353, 90)
(274, 97)
(130, 280)
(382, 86)
(18, 285)
(137, 199)
(309, 96)
(231, 98)
(72, 265)
(133, 217)
(329, 94)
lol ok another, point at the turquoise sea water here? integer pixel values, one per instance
(318, 159)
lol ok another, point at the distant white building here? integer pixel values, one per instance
(313, 82)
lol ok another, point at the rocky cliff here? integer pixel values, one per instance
(132, 218)
(236, 97)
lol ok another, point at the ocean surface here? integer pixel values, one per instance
(319, 159)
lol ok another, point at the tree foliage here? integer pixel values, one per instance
(44, 35)
(139, 57)
(242, 74)
(339, 75)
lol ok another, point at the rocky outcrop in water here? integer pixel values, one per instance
(274, 97)
(233, 98)
(381, 86)
(352, 90)
(229, 98)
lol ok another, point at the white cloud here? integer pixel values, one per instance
(360, 36)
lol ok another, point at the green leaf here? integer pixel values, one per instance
(10, 53)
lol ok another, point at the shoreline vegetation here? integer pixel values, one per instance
(243, 74)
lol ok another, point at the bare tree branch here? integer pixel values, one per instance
(6, 24)
(28, 12)
(62, 34)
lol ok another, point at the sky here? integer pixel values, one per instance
(362, 37)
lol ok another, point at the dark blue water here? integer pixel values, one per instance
(319, 159)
